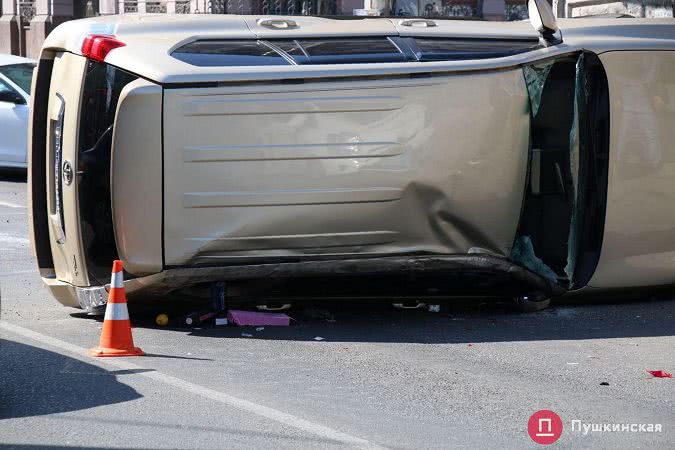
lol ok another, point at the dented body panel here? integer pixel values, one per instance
(362, 168)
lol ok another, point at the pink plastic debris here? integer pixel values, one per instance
(660, 374)
(252, 318)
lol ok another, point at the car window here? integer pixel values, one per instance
(228, 53)
(20, 74)
(444, 49)
(5, 87)
(101, 91)
(341, 50)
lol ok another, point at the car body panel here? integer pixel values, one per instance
(432, 27)
(136, 177)
(147, 51)
(638, 245)
(318, 27)
(372, 167)
(65, 236)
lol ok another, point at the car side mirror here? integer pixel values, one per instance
(543, 20)
(8, 96)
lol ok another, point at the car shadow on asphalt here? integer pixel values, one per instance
(33, 380)
(467, 322)
(51, 447)
(13, 175)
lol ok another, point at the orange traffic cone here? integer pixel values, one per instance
(116, 339)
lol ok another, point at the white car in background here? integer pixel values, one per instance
(16, 74)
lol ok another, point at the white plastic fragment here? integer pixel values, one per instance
(434, 308)
(259, 328)
(246, 335)
(319, 338)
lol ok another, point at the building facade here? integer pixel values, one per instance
(24, 24)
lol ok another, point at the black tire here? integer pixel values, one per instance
(531, 303)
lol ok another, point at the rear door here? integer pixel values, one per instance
(328, 169)
(62, 199)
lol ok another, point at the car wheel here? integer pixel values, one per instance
(531, 303)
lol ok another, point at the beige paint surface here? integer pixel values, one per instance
(335, 169)
(150, 39)
(68, 249)
(136, 177)
(363, 167)
(639, 243)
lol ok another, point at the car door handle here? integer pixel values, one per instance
(278, 24)
(424, 23)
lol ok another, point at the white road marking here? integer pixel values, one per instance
(12, 242)
(10, 205)
(202, 391)
(13, 239)
(18, 272)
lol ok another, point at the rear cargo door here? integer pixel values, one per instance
(62, 202)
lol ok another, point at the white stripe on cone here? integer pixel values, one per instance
(116, 280)
(116, 311)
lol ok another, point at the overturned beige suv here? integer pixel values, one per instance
(421, 155)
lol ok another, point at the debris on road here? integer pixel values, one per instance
(434, 308)
(319, 338)
(246, 335)
(252, 318)
(313, 312)
(259, 328)
(221, 320)
(660, 374)
(274, 307)
(409, 305)
(162, 320)
(604, 383)
(196, 319)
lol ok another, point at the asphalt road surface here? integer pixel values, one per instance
(469, 376)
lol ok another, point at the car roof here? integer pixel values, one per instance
(151, 38)
(6, 59)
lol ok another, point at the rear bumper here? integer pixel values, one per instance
(169, 280)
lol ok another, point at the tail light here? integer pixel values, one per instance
(97, 46)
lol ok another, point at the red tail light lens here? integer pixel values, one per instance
(97, 46)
